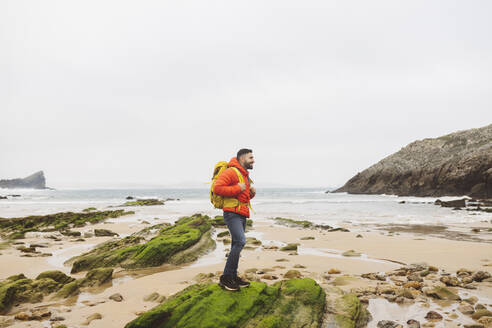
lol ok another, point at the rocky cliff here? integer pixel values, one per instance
(35, 181)
(459, 163)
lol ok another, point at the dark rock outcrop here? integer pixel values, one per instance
(34, 181)
(459, 163)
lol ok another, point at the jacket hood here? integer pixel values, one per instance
(235, 163)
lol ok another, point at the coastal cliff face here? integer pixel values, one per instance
(35, 181)
(459, 163)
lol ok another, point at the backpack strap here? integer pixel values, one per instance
(241, 180)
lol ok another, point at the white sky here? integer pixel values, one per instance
(140, 93)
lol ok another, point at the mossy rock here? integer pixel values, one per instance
(345, 310)
(15, 228)
(292, 303)
(89, 209)
(134, 252)
(144, 202)
(442, 293)
(104, 233)
(351, 253)
(290, 247)
(18, 289)
(97, 277)
(223, 234)
(70, 289)
(56, 275)
(293, 223)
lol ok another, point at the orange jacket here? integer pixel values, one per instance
(227, 185)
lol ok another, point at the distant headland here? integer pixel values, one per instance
(34, 181)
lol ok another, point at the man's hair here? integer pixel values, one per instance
(243, 151)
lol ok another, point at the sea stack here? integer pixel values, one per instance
(456, 164)
(34, 181)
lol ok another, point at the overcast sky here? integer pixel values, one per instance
(140, 93)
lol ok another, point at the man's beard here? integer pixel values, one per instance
(249, 166)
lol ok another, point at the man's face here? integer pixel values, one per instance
(247, 161)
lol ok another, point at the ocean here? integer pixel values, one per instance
(311, 204)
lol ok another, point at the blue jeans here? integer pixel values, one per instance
(237, 225)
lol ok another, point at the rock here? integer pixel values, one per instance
(293, 223)
(450, 281)
(351, 253)
(473, 325)
(183, 242)
(471, 300)
(413, 284)
(333, 271)
(374, 276)
(117, 297)
(223, 234)
(480, 275)
(57, 318)
(34, 181)
(486, 321)
(441, 293)
(129, 197)
(104, 233)
(290, 303)
(152, 297)
(299, 266)
(290, 247)
(24, 316)
(414, 277)
(70, 289)
(346, 310)
(466, 308)
(95, 316)
(269, 277)
(433, 315)
(56, 275)
(307, 238)
(359, 236)
(481, 313)
(459, 169)
(292, 274)
(388, 324)
(143, 202)
(480, 307)
(457, 203)
(413, 323)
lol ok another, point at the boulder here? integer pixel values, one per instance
(290, 303)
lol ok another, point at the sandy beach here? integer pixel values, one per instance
(319, 251)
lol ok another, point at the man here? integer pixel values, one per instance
(229, 185)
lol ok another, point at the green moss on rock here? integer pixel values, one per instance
(134, 252)
(144, 202)
(56, 275)
(97, 277)
(15, 228)
(292, 303)
(18, 289)
(293, 223)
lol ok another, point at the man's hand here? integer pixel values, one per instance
(242, 185)
(252, 191)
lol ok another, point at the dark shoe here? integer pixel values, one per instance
(228, 283)
(241, 282)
